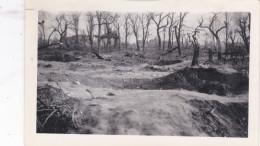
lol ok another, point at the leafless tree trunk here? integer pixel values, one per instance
(178, 29)
(48, 42)
(84, 39)
(182, 43)
(42, 17)
(90, 29)
(244, 30)
(232, 36)
(158, 22)
(164, 31)
(49, 38)
(170, 31)
(41, 23)
(108, 19)
(118, 25)
(196, 47)
(173, 32)
(186, 42)
(75, 26)
(213, 32)
(126, 27)
(99, 16)
(226, 43)
(62, 27)
(135, 24)
(249, 21)
(210, 51)
(145, 20)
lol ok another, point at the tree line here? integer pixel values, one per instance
(110, 26)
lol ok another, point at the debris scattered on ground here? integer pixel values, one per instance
(54, 110)
(76, 82)
(92, 96)
(204, 80)
(208, 118)
(110, 94)
(167, 62)
(153, 68)
(47, 66)
(60, 57)
(140, 95)
(132, 54)
(209, 81)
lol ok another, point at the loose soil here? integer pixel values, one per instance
(137, 95)
(204, 80)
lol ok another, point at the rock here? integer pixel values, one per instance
(76, 82)
(110, 94)
(47, 66)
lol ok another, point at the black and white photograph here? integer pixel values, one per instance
(143, 73)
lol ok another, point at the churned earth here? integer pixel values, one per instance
(136, 96)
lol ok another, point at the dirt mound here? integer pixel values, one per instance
(218, 119)
(54, 110)
(167, 62)
(127, 58)
(154, 68)
(132, 54)
(60, 57)
(205, 80)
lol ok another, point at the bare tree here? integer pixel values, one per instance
(42, 31)
(215, 33)
(117, 24)
(49, 44)
(145, 20)
(186, 39)
(135, 24)
(232, 35)
(75, 25)
(126, 27)
(226, 43)
(84, 38)
(62, 26)
(178, 29)
(99, 17)
(49, 38)
(164, 31)
(244, 30)
(194, 41)
(158, 20)
(108, 19)
(90, 28)
(170, 31)
(249, 21)
(41, 26)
